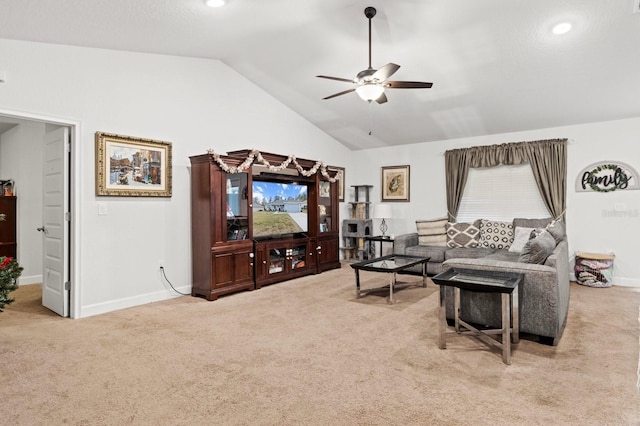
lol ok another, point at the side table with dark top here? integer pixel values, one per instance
(505, 283)
(381, 239)
(392, 264)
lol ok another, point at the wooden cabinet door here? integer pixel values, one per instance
(312, 255)
(243, 265)
(231, 266)
(223, 269)
(260, 263)
(328, 253)
(8, 226)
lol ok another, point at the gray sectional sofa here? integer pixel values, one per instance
(543, 294)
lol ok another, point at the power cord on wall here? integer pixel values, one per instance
(167, 280)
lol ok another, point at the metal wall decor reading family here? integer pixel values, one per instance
(607, 176)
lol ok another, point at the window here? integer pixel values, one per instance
(501, 193)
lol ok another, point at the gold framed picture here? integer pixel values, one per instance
(395, 183)
(340, 180)
(132, 167)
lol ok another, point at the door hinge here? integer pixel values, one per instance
(67, 216)
(67, 285)
(67, 146)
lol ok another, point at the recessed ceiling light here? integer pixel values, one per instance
(214, 3)
(562, 28)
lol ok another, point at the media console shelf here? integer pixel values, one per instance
(243, 237)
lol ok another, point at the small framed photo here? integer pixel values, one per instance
(340, 181)
(325, 189)
(395, 183)
(132, 167)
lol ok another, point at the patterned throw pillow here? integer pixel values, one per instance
(463, 234)
(432, 232)
(495, 234)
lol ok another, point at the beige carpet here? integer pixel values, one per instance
(306, 352)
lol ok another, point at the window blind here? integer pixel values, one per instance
(501, 193)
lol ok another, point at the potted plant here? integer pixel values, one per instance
(10, 270)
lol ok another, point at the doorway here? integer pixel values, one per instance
(58, 220)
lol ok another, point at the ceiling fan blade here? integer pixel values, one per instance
(335, 78)
(407, 85)
(340, 93)
(385, 72)
(370, 82)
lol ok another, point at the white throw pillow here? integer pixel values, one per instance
(520, 239)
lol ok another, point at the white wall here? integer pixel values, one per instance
(194, 103)
(21, 161)
(591, 226)
(198, 104)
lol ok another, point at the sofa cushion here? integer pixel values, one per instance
(537, 249)
(434, 253)
(433, 240)
(468, 253)
(531, 223)
(463, 234)
(504, 255)
(557, 230)
(496, 234)
(432, 232)
(521, 237)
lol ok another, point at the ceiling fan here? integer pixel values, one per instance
(370, 83)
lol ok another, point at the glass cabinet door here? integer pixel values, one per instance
(298, 257)
(276, 260)
(237, 206)
(325, 221)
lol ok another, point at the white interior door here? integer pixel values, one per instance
(55, 229)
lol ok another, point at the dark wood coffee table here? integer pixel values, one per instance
(392, 264)
(505, 283)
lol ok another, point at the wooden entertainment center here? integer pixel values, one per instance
(229, 252)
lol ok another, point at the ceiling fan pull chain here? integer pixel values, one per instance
(370, 120)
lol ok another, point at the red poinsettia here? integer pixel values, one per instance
(6, 261)
(10, 270)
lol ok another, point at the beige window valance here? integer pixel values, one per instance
(548, 160)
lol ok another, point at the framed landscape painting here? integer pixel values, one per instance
(395, 183)
(132, 167)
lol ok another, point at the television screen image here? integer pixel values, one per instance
(279, 208)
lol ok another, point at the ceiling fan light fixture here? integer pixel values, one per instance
(369, 92)
(562, 28)
(215, 3)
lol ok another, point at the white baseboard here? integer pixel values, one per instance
(33, 279)
(129, 302)
(619, 281)
(626, 282)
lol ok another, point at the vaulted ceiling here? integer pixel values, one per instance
(495, 64)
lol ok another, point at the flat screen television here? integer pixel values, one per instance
(279, 209)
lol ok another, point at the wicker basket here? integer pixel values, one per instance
(594, 269)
